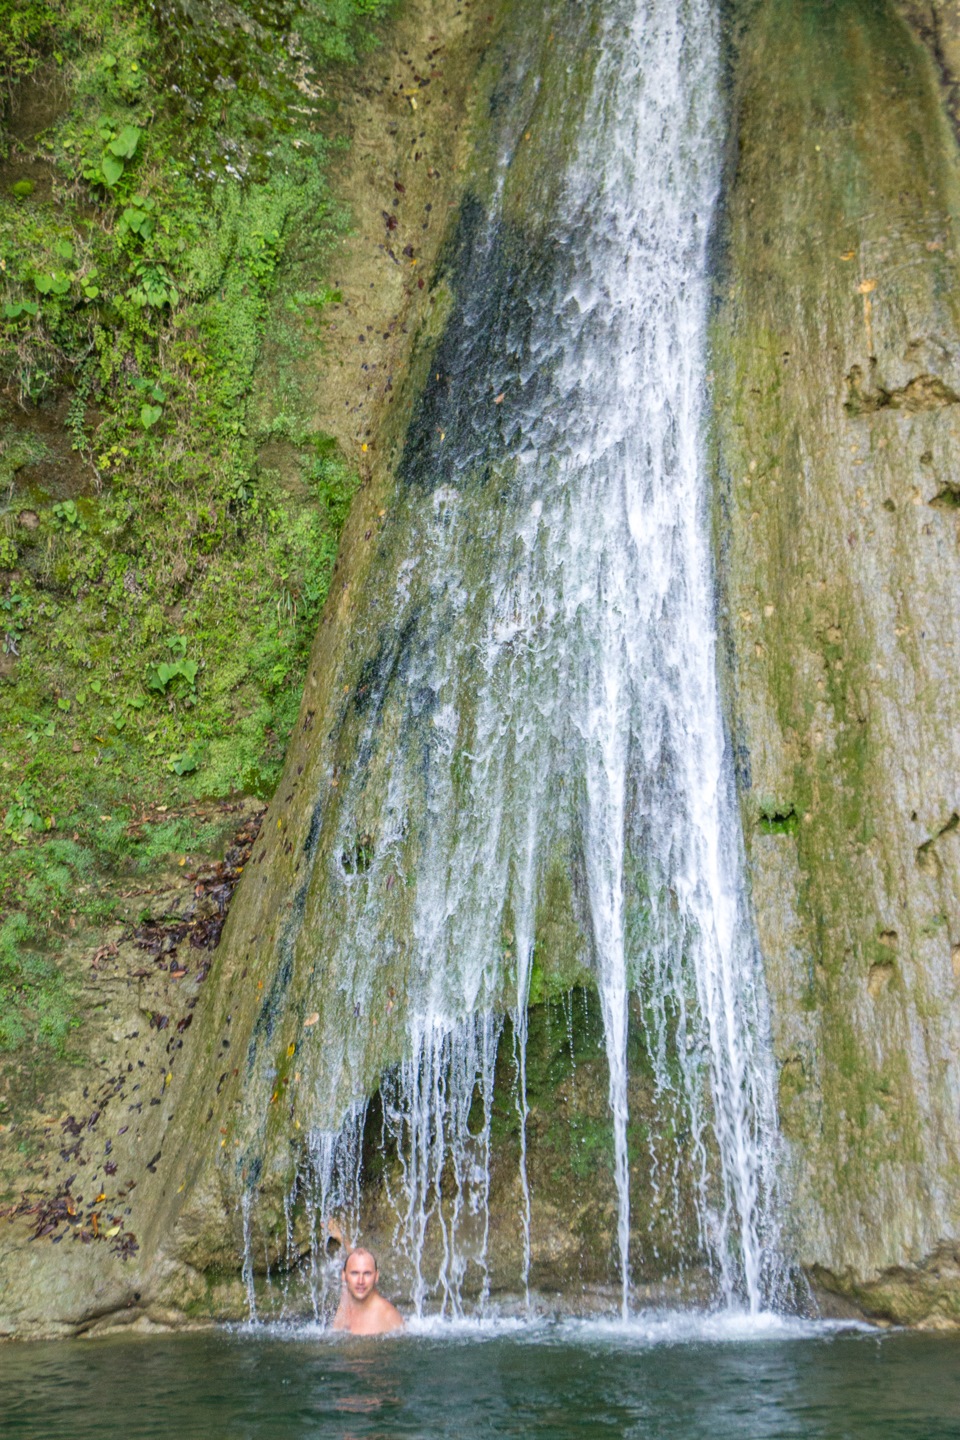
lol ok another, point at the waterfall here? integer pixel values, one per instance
(541, 692)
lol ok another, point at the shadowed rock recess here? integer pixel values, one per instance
(833, 446)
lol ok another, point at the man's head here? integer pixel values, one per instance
(360, 1274)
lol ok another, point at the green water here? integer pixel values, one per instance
(660, 1380)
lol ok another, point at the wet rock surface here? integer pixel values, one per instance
(836, 342)
(401, 180)
(836, 345)
(81, 1179)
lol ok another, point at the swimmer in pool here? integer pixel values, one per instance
(362, 1309)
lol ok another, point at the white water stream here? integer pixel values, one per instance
(560, 698)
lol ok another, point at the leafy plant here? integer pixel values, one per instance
(169, 673)
(22, 815)
(20, 309)
(187, 762)
(65, 512)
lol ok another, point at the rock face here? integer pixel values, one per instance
(300, 1030)
(404, 166)
(837, 359)
(937, 24)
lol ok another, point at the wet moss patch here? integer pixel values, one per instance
(164, 552)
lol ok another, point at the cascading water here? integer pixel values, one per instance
(543, 695)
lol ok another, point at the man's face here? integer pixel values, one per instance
(360, 1275)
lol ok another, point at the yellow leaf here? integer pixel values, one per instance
(114, 1230)
(866, 287)
(291, 1049)
(848, 255)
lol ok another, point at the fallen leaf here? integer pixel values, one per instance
(498, 399)
(102, 954)
(866, 287)
(291, 1050)
(848, 255)
(311, 1019)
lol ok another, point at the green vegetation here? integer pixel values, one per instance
(159, 584)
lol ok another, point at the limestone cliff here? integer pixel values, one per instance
(836, 371)
(837, 384)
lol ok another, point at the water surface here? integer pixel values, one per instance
(658, 1378)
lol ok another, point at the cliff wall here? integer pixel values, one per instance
(836, 405)
(836, 371)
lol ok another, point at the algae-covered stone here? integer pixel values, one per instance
(837, 380)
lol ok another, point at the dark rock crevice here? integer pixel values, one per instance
(923, 392)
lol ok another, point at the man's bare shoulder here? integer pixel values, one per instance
(388, 1316)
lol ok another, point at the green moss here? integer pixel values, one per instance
(559, 960)
(777, 819)
(849, 137)
(136, 295)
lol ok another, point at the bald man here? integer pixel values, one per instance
(362, 1309)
